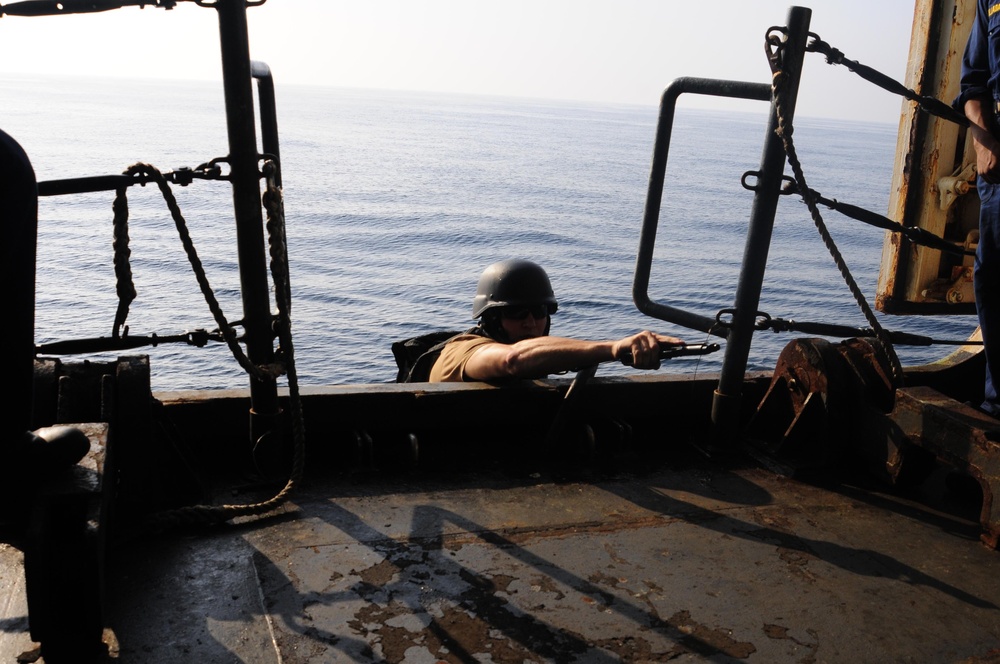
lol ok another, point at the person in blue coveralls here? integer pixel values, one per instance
(980, 100)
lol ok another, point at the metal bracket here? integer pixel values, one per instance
(957, 184)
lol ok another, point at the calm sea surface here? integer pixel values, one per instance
(395, 202)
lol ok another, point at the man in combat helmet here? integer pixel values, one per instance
(514, 303)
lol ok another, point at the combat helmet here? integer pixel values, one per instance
(513, 283)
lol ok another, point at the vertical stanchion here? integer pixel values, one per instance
(245, 180)
(726, 401)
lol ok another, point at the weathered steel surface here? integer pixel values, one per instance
(960, 435)
(820, 400)
(14, 637)
(929, 150)
(444, 417)
(55, 525)
(694, 564)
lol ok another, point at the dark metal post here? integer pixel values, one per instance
(19, 205)
(245, 178)
(726, 402)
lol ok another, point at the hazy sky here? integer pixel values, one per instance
(620, 51)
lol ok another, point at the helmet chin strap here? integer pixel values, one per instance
(492, 327)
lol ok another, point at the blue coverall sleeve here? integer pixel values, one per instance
(976, 75)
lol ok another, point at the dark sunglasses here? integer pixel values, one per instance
(538, 312)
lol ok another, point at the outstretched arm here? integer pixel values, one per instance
(537, 357)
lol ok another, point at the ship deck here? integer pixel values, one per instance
(696, 560)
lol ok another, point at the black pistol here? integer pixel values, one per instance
(677, 350)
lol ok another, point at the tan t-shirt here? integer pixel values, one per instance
(450, 365)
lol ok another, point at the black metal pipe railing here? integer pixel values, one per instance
(238, 73)
(739, 334)
(90, 184)
(65, 7)
(654, 194)
(197, 338)
(268, 112)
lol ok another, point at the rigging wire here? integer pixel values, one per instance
(773, 46)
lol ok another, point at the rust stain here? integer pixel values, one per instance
(636, 649)
(606, 579)
(780, 632)
(519, 535)
(613, 554)
(501, 582)
(379, 574)
(991, 657)
(480, 622)
(690, 637)
(775, 631)
(708, 641)
(773, 519)
(547, 585)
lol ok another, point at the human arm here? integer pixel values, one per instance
(976, 99)
(980, 115)
(540, 356)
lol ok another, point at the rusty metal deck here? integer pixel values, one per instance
(695, 563)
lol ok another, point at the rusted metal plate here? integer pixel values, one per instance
(816, 406)
(963, 437)
(694, 564)
(928, 151)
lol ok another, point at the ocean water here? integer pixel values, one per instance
(395, 202)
